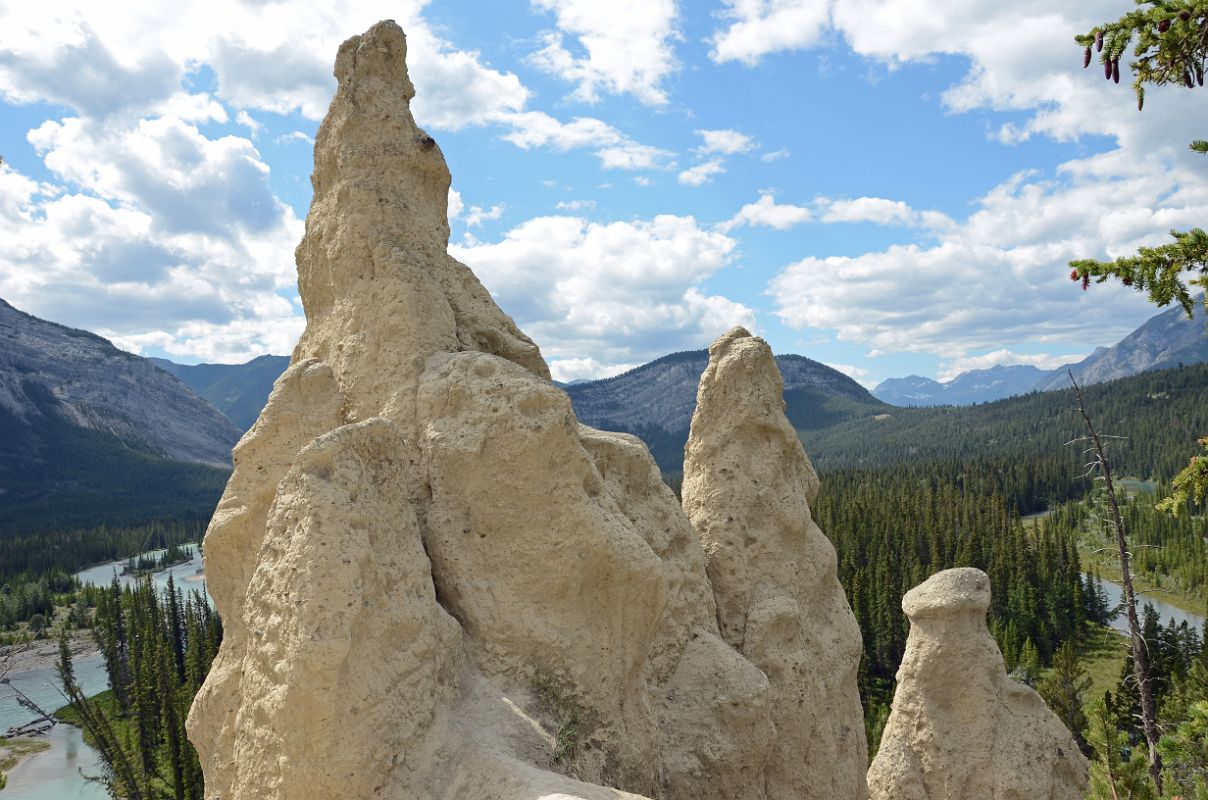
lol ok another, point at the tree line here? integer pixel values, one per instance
(73, 549)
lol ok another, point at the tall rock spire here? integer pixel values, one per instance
(434, 582)
(747, 488)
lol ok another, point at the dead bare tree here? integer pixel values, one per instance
(1137, 646)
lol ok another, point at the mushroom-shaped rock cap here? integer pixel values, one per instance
(953, 590)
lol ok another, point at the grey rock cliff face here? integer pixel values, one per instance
(1165, 341)
(99, 387)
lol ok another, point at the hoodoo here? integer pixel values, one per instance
(435, 583)
(960, 728)
(747, 488)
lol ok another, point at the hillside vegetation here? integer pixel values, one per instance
(1160, 414)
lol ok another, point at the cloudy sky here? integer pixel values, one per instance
(888, 186)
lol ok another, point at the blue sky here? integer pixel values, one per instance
(888, 186)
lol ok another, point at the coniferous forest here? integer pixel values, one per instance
(894, 528)
(157, 649)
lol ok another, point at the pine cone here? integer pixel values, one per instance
(1116, 70)
(1099, 41)
(1107, 69)
(1086, 58)
(1187, 79)
(1164, 26)
(1184, 15)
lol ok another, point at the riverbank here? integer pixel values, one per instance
(1108, 567)
(44, 653)
(12, 751)
(65, 769)
(1099, 553)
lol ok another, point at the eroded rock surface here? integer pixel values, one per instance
(960, 728)
(435, 582)
(747, 488)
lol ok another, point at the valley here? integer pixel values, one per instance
(723, 573)
(898, 512)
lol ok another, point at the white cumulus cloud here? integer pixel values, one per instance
(585, 369)
(625, 47)
(758, 27)
(724, 142)
(1000, 278)
(621, 293)
(767, 212)
(702, 173)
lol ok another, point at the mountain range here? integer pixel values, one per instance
(655, 401)
(974, 386)
(90, 433)
(1169, 339)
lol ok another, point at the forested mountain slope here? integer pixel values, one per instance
(1160, 413)
(237, 390)
(655, 401)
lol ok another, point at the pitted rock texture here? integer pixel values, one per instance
(960, 728)
(436, 583)
(747, 488)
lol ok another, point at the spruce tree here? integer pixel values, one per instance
(1063, 689)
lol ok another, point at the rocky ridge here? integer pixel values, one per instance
(46, 368)
(1169, 339)
(1166, 340)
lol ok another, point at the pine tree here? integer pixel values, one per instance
(1185, 753)
(1063, 689)
(1118, 772)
